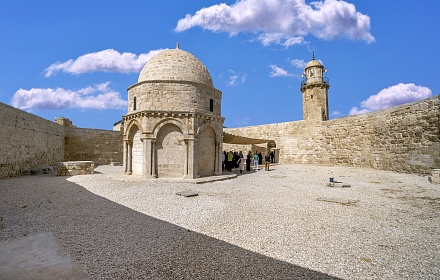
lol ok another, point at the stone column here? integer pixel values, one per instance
(191, 158)
(216, 158)
(124, 156)
(268, 147)
(129, 156)
(153, 158)
(146, 159)
(185, 164)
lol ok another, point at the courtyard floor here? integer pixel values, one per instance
(286, 223)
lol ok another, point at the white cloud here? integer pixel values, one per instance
(288, 20)
(269, 38)
(99, 96)
(106, 61)
(292, 41)
(278, 72)
(278, 38)
(299, 63)
(392, 96)
(235, 79)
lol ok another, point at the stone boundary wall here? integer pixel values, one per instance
(27, 142)
(404, 138)
(101, 146)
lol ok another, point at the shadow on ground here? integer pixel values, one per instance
(113, 241)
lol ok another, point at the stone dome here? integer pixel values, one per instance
(313, 63)
(175, 65)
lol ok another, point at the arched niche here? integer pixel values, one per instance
(206, 151)
(170, 151)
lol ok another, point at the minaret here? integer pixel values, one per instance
(314, 88)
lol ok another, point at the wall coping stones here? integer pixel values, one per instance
(435, 176)
(70, 168)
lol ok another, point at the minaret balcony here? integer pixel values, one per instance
(311, 82)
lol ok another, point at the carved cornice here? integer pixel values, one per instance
(320, 85)
(174, 114)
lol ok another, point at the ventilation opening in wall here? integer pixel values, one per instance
(211, 105)
(134, 103)
(311, 96)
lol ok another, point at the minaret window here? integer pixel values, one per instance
(134, 103)
(211, 105)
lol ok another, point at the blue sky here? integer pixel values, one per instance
(76, 59)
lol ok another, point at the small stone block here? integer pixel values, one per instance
(338, 185)
(435, 176)
(187, 193)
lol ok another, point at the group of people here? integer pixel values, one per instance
(231, 160)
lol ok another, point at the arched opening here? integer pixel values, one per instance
(206, 152)
(170, 152)
(137, 158)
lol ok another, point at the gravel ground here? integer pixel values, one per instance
(282, 224)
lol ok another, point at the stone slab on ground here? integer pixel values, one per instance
(187, 193)
(338, 185)
(38, 256)
(341, 201)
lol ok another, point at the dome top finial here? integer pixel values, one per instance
(313, 62)
(177, 45)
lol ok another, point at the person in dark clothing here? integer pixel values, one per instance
(272, 157)
(248, 161)
(260, 158)
(236, 158)
(267, 162)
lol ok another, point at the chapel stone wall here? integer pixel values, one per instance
(176, 96)
(27, 141)
(405, 138)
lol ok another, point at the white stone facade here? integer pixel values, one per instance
(174, 127)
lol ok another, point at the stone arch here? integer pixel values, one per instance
(206, 150)
(168, 121)
(170, 150)
(132, 126)
(134, 136)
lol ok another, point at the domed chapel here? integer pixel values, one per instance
(173, 128)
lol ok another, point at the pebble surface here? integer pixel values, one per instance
(286, 223)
